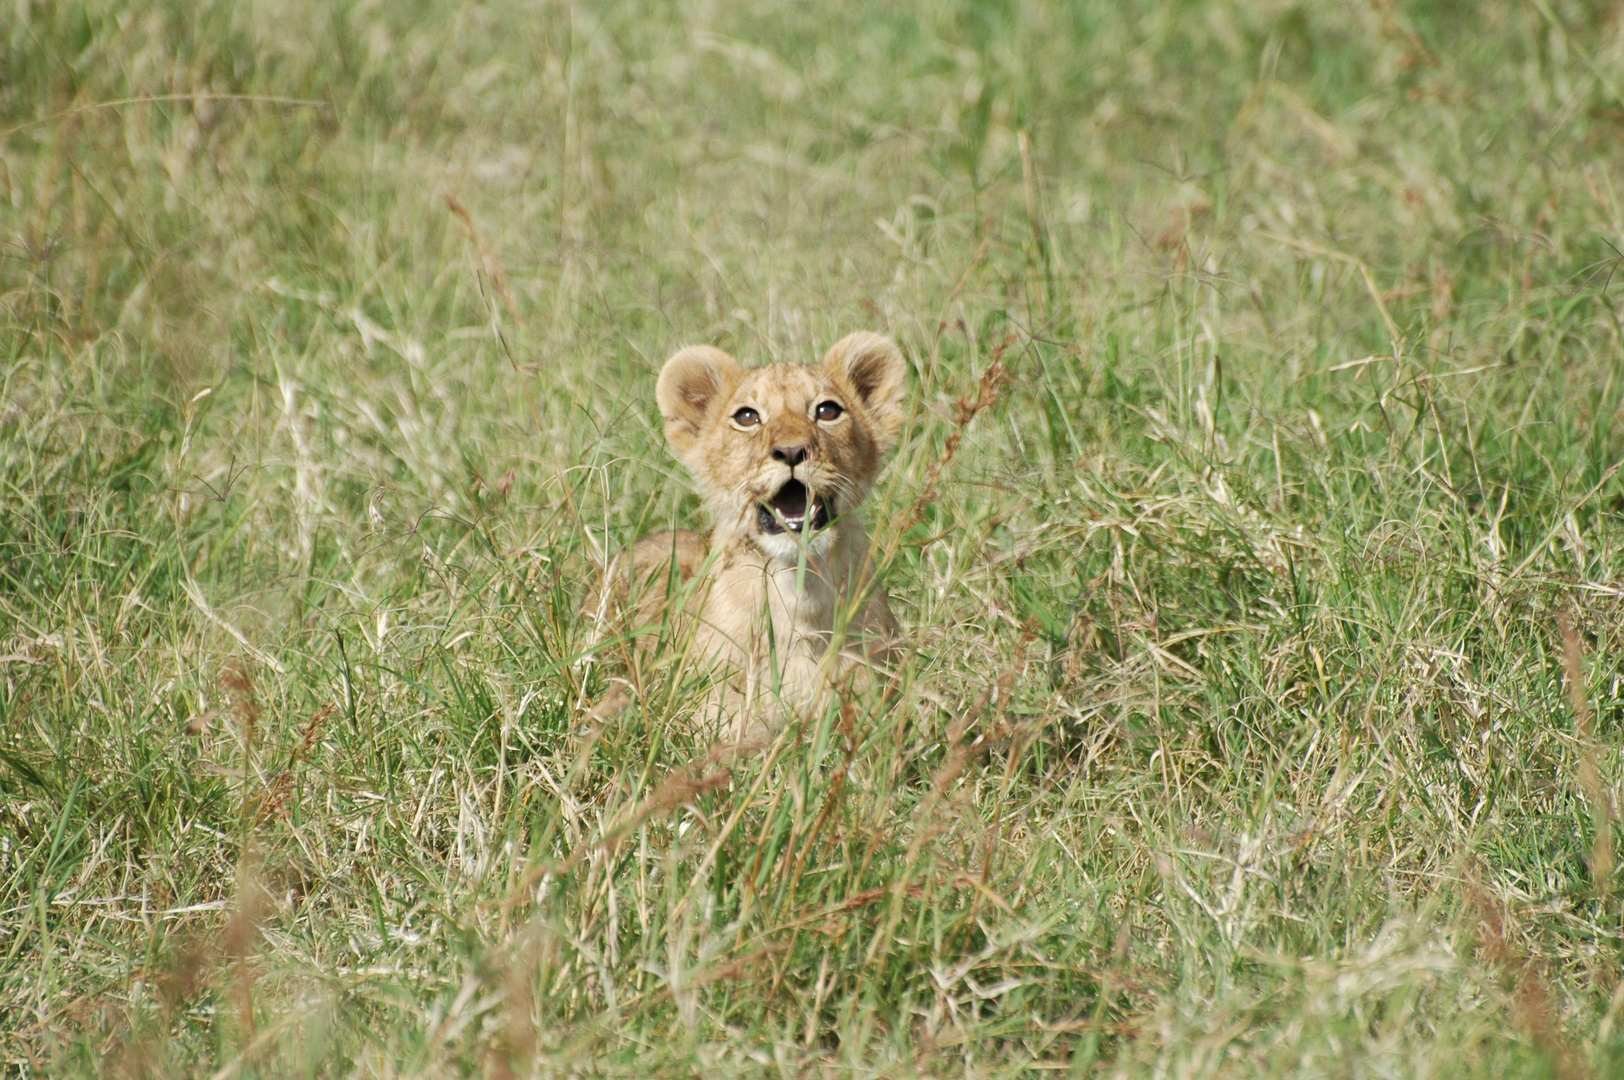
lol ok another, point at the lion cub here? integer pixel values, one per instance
(783, 455)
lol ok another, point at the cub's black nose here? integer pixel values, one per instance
(790, 455)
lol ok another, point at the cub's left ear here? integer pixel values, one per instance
(873, 366)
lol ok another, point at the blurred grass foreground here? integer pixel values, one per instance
(1261, 712)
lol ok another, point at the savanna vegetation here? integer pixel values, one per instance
(1258, 537)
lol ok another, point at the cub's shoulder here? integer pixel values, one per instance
(638, 580)
(660, 553)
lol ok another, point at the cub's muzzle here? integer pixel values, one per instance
(793, 509)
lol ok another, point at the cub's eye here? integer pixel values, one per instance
(829, 410)
(747, 418)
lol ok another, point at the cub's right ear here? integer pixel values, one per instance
(691, 383)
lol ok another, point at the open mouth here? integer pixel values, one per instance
(789, 510)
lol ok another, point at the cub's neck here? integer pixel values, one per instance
(830, 556)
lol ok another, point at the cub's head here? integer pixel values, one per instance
(781, 452)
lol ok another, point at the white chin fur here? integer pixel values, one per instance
(785, 547)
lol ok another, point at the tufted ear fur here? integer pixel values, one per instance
(873, 366)
(691, 384)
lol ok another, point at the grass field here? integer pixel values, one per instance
(1261, 714)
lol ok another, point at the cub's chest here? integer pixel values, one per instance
(802, 600)
(798, 600)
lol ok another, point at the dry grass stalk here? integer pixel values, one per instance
(680, 786)
(1532, 1008)
(1603, 811)
(239, 685)
(277, 793)
(491, 266)
(240, 937)
(965, 410)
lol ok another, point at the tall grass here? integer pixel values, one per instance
(1261, 709)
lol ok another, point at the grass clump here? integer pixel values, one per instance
(1261, 710)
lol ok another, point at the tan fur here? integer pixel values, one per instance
(768, 604)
